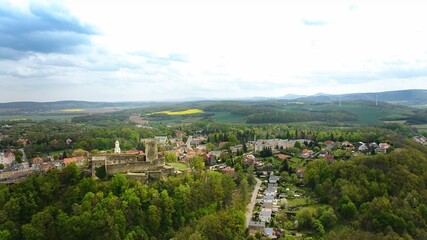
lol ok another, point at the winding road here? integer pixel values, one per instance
(251, 205)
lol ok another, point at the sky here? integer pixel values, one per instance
(160, 50)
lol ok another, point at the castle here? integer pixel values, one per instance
(138, 166)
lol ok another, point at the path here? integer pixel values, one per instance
(251, 205)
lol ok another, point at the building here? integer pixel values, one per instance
(117, 148)
(265, 215)
(276, 143)
(273, 179)
(37, 161)
(137, 166)
(256, 227)
(269, 232)
(79, 161)
(161, 139)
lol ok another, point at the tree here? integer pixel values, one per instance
(154, 219)
(266, 152)
(71, 174)
(119, 184)
(18, 159)
(197, 163)
(285, 166)
(65, 154)
(347, 207)
(170, 157)
(328, 218)
(1, 166)
(305, 218)
(245, 148)
(210, 147)
(101, 172)
(317, 172)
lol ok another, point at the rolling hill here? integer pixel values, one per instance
(412, 97)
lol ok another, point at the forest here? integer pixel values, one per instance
(372, 197)
(69, 205)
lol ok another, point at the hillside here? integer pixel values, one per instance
(405, 97)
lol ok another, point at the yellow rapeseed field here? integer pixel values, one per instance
(73, 110)
(185, 112)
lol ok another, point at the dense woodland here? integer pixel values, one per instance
(66, 205)
(372, 197)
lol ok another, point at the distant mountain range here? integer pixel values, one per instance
(28, 107)
(414, 97)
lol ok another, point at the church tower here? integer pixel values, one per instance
(117, 148)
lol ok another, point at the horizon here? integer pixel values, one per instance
(163, 52)
(255, 98)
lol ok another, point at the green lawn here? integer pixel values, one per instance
(296, 162)
(297, 202)
(179, 166)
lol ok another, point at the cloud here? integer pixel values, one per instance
(313, 22)
(45, 29)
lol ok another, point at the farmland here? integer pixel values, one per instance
(184, 112)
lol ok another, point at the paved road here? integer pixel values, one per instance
(251, 205)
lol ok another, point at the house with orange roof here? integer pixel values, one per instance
(306, 153)
(230, 171)
(79, 160)
(329, 144)
(282, 156)
(37, 161)
(22, 140)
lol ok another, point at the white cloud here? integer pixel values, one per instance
(170, 51)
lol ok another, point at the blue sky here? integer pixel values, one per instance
(136, 51)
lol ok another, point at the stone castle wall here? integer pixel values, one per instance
(135, 166)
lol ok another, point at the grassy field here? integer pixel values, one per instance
(297, 202)
(421, 126)
(296, 162)
(185, 112)
(38, 118)
(179, 166)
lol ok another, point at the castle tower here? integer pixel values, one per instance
(117, 148)
(150, 151)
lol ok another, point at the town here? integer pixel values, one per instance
(277, 167)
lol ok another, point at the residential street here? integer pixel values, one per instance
(251, 205)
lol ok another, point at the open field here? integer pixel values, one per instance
(184, 112)
(73, 110)
(420, 126)
(397, 121)
(138, 119)
(39, 117)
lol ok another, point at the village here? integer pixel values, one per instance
(280, 195)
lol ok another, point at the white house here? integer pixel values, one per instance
(265, 215)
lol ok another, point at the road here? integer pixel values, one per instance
(251, 205)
